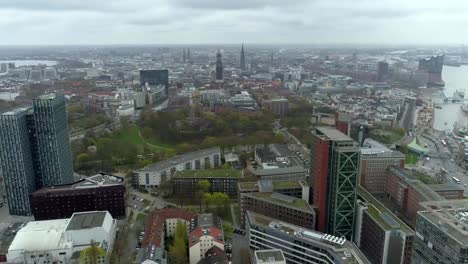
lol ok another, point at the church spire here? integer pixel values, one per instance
(242, 59)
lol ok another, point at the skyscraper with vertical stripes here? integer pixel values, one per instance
(35, 150)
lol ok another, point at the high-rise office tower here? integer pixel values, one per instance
(51, 144)
(16, 160)
(183, 56)
(242, 59)
(382, 71)
(334, 176)
(219, 67)
(154, 78)
(35, 150)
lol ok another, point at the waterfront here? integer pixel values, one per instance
(8, 96)
(456, 78)
(19, 63)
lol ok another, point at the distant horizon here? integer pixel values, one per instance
(246, 44)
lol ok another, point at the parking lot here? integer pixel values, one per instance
(137, 203)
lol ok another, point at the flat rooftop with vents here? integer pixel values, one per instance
(180, 159)
(215, 173)
(346, 250)
(86, 220)
(450, 216)
(269, 256)
(282, 200)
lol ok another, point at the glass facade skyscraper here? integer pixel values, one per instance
(51, 141)
(36, 150)
(16, 160)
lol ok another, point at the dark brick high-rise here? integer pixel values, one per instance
(102, 192)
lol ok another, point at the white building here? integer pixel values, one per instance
(153, 175)
(206, 235)
(55, 241)
(203, 239)
(126, 110)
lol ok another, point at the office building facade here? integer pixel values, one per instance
(151, 176)
(441, 233)
(334, 173)
(300, 245)
(381, 236)
(225, 181)
(279, 206)
(101, 192)
(51, 141)
(39, 153)
(154, 78)
(16, 160)
(375, 159)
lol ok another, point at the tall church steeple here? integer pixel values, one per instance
(242, 59)
(219, 66)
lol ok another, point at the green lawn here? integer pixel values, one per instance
(411, 158)
(141, 217)
(387, 136)
(156, 142)
(129, 136)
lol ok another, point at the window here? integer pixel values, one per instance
(147, 178)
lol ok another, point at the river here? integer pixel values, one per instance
(455, 78)
(19, 63)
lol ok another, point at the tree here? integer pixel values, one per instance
(202, 187)
(81, 159)
(178, 250)
(92, 254)
(208, 198)
(227, 230)
(221, 200)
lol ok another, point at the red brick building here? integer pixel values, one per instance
(407, 192)
(162, 223)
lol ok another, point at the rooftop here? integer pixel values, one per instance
(372, 148)
(243, 186)
(285, 170)
(174, 161)
(209, 174)
(86, 220)
(99, 180)
(50, 233)
(382, 214)
(269, 255)
(423, 189)
(155, 225)
(450, 216)
(333, 133)
(346, 250)
(445, 187)
(47, 96)
(282, 200)
(16, 111)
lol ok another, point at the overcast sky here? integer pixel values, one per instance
(233, 21)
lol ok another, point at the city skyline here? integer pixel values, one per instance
(320, 22)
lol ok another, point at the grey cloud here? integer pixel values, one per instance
(235, 4)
